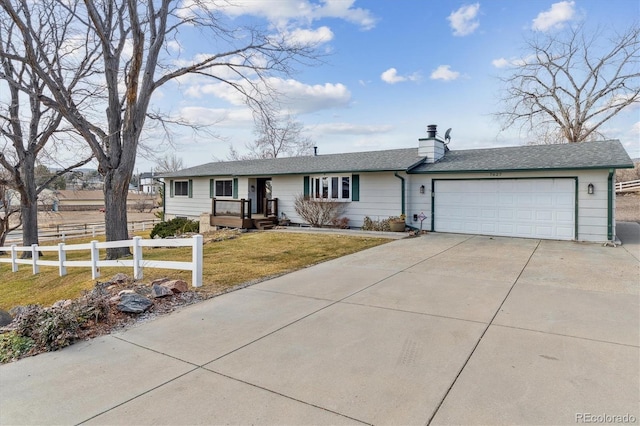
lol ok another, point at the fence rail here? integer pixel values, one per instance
(628, 186)
(64, 231)
(138, 263)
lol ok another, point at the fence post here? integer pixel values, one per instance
(64, 238)
(34, 258)
(93, 231)
(137, 258)
(14, 256)
(196, 261)
(95, 254)
(143, 226)
(62, 257)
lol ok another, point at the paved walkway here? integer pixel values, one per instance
(440, 329)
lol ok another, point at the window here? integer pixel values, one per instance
(181, 188)
(224, 188)
(334, 187)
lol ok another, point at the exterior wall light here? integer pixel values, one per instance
(422, 189)
(590, 189)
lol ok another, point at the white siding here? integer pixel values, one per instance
(379, 197)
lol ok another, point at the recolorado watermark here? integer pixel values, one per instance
(605, 418)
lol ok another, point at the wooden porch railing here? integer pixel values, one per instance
(240, 208)
(270, 207)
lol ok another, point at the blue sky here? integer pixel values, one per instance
(392, 67)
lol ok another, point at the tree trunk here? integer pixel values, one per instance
(116, 189)
(28, 203)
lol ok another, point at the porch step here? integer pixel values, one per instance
(264, 224)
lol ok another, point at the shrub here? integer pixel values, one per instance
(318, 212)
(376, 225)
(13, 346)
(173, 227)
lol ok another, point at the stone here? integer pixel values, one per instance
(159, 281)
(158, 290)
(127, 291)
(176, 286)
(5, 318)
(133, 303)
(119, 278)
(16, 311)
(62, 303)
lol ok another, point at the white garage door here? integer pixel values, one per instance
(530, 208)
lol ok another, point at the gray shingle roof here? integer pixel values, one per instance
(584, 155)
(601, 155)
(390, 160)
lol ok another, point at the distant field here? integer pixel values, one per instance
(628, 208)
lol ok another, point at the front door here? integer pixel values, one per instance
(263, 190)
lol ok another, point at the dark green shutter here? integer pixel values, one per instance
(190, 188)
(211, 193)
(305, 184)
(171, 188)
(355, 187)
(235, 188)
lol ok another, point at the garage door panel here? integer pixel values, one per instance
(535, 208)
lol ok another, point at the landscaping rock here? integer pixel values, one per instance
(127, 291)
(119, 278)
(62, 303)
(159, 281)
(176, 286)
(16, 311)
(5, 318)
(160, 291)
(133, 303)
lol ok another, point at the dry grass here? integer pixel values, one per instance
(228, 263)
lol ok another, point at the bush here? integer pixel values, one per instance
(173, 227)
(376, 225)
(13, 346)
(319, 212)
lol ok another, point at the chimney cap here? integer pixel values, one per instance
(432, 130)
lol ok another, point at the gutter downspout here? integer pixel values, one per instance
(164, 195)
(610, 205)
(402, 209)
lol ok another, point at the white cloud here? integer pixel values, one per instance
(443, 72)
(463, 21)
(555, 17)
(234, 117)
(500, 63)
(174, 46)
(351, 129)
(283, 12)
(297, 97)
(309, 37)
(391, 76)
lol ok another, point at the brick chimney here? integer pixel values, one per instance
(432, 146)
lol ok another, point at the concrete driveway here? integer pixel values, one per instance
(441, 329)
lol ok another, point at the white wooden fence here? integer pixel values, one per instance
(628, 186)
(138, 263)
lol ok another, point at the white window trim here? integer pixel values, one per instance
(314, 178)
(175, 189)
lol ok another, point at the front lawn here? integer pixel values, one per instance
(251, 256)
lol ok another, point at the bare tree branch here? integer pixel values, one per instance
(570, 84)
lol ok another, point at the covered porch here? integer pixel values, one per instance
(238, 214)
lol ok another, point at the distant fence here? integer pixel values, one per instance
(64, 231)
(138, 263)
(628, 186)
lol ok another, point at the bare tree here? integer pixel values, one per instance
(569, 84)
(10, 218)
(169, 163)
(276, 137)
(27, 132)
(123, 55)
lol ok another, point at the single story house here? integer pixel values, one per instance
(563, 192)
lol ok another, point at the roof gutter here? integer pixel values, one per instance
(402, 209)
